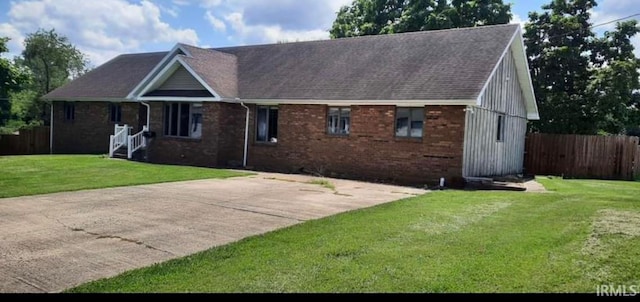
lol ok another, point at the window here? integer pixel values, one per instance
(409, 122)
(267, 124)
(115, 112)
(500, 134)
(339, 120)
(183, 120)
(69, 111)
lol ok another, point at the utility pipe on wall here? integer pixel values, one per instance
(246, 136)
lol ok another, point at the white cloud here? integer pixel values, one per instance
(210, 3)
(181, 2)
(15, 44)
(518, 20)
(215, 22)
(609, 10)
(245, 34)
(101, 29)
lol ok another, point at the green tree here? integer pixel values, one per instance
(12, 79)
(53, 61)
(583, 84)
(373, 17)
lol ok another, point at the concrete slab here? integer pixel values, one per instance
(56, 241)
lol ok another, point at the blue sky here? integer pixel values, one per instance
(106, 28)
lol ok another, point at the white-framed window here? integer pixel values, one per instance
(115, 112)
(339, 120)
(183, 120)
(409, 122)
(500, 127)
(267, 124)
(69, 111)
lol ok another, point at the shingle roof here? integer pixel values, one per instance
(430, 65)
(433, 65)
(218, 69)
(114, 79)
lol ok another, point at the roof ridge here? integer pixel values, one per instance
(421, 32)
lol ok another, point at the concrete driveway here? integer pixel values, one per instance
(52, 242)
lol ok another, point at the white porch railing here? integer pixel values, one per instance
(135, 142)
(119, 138)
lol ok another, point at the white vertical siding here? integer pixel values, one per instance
(483, 154)
(181, 79)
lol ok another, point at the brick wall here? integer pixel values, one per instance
(89, 132)
(211, 150)
(371, 151)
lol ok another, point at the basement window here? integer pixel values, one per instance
(183, 120)
(69, 111)
(339, 120)
(500, 134)
(267, 124)
(409, 122)
(115, 112)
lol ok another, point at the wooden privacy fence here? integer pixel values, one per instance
(583, 156)
(29, 141)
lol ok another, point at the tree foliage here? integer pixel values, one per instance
(373, 17)
(52, 59)
(12, 79)
(584, 84)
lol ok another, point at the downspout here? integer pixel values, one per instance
(148, 113)
(246, 135)
(51, 131)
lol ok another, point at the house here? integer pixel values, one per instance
(407, 108)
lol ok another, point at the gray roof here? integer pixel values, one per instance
(218, 69)
(433, 65)
(114, 79)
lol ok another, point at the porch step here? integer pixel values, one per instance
(120, 153)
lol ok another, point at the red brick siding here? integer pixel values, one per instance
(371, 151)
(185, 151)
(90, 130)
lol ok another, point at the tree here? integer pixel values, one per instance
(52, 60)
(583, 84)
(12, 79)
(373, 17)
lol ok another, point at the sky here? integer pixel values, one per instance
(103, 29)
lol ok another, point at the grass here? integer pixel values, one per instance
(582, 234)
(323, 183)
(29, 175)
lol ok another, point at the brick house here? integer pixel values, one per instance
(407, 108)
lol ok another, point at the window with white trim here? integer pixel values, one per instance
(409, 122)
(339, 120)
(183, 120)
(267, 124)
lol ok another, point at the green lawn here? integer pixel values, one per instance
(29, 175)
(583, 234)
